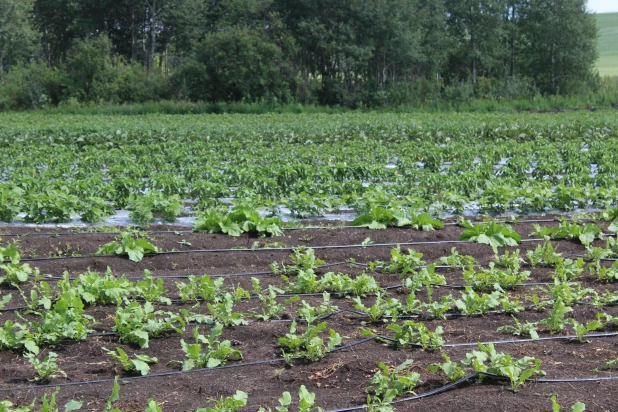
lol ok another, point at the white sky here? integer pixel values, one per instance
(603, 6)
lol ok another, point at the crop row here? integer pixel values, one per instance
(55, 314)
(311, 167)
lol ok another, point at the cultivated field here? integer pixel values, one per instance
(342, 262)
(608, 44)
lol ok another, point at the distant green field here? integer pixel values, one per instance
(608, 44)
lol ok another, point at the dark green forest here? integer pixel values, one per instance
(353, 53)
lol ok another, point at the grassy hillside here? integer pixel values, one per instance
(608, 44)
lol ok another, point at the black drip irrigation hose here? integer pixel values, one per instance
(290, 295)
(416, 397)
(154, 375)
(350, 345)
(220, 275)
(474, 376)
(507, 341)
(288, 249)
(284, 249)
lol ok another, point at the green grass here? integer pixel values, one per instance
(608, 44)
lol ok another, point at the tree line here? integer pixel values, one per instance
(331, 52)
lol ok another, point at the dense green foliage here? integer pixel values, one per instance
(356, 54)
(305, 165)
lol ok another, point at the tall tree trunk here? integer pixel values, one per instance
(153, 33)
(553, 50)
(144, 41)
(473, 61)
(133, 38)
(513, 28)
(553, 62)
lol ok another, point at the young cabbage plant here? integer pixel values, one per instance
(44, 369)
(134, 248)
(451, 369)
(556, 407)
(306, 400)
(456, 260)
(521, 329)
(308, 345)
(209, 351)
(501, 365)
(136, 324)
(302, 258)
(543, 255)
(140, 363)
(380, 310)
(228, 404)
(271, 308)
(412, 334)
(386, 384)
(489, 233)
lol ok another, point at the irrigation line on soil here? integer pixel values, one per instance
(222, 275)
(276, 360)
(283, 249)
(154, 375)
(473, 376)
(556, 380)
(509, 341)
(163, 374)
(413, 398)
(290, 295)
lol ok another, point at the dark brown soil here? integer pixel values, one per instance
(339, 379)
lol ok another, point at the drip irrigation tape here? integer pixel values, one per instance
(473, 376)
(56, 278)
(438, 390)
(570, 380)
(601, 259)
(505, 342)
(550, 338)
(413, 398)
(347, 346)
(156, 375)
(556, 380)
(69, 257)
(153, 375)
(337, 295)
(284, 249)
(13, 309)
(350, 345)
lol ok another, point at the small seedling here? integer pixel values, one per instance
(139, 364)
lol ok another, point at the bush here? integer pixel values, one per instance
(33, 86)
(136, 85)
(239, 64)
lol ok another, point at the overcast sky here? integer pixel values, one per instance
(603, 6)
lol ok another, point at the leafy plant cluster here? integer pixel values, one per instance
(241, 219)
(489, 233)
(319, 165)
(381, 218)
(134, 247)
